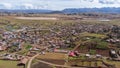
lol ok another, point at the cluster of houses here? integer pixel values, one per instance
(58, 36)
(14, 57)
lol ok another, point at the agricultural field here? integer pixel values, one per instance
(36, 18)
(8, 64)
(54, 58)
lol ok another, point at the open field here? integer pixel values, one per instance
(16, 23)
(52, 20)
(117, 63)
(54, 56)
(49, 20)
(41, 65)
(36, 18)
(8, 64)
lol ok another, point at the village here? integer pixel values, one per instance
(83, 45)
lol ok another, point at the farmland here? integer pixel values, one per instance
(10, 64)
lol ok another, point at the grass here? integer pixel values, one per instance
(117, 63)
(22, 52)
(92, 52)
(91, 21)
(8, 64)
(86, 34)
(28, 47)
(102, 45)
(42, 23)
(3, 52)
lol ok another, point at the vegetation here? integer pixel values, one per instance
(25, 49)
(28, 47)
(86, 34)
(9, 64)
(102, 45)
(13, 49)
(92, 52)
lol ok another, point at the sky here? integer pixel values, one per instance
(57, 4)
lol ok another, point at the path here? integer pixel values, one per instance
(75, 47)
(32, 58)
(30, 61)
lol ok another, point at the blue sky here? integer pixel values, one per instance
(57, 4)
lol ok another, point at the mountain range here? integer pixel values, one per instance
(89, 10)
(67, 10)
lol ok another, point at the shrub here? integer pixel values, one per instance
(28, 47)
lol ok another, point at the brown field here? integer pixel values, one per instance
(37, 18)
(52, 56)
(40, 65)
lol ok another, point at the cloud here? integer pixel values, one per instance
(57, 4)
(88, 0)
(28, 6)
(109, 1)
(5, 5)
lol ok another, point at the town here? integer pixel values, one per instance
(59, 41)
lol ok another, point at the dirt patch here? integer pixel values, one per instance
(59, 62)
(40, 65)
(53, 56)
(98, 51)
(36, 18)
(103, 52)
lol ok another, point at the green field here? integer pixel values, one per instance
(8, 64)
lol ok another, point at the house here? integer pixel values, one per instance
(31, 53)
(2, 48)
(24, 60)
(113, 54)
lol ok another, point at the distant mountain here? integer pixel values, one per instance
(87, 10)
(56, 12)
(26, 11)
(66, 11)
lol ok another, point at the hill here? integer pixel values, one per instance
(66, 11)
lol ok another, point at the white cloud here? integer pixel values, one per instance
(28, 6)
(6, 5)
(57, 4)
